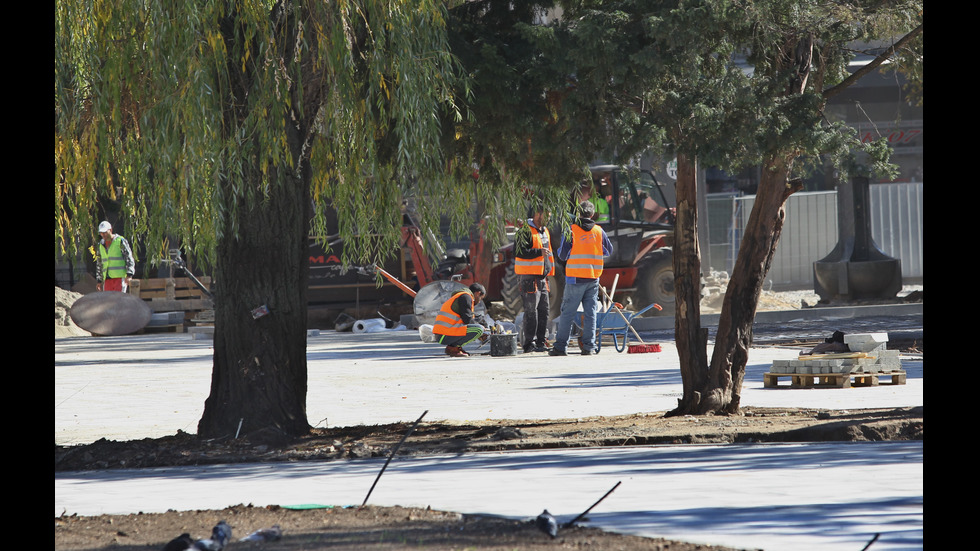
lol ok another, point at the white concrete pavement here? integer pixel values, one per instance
(139, 386)
(772, 497)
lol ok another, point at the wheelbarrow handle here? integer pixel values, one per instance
(622, 315)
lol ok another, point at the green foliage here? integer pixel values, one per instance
(184, 115)
(187, 114)
(732, 82)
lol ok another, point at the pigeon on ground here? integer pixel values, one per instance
(182, 542)
(220, 535)
(265, 534)
(547, 524)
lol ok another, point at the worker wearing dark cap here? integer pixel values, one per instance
(455, 324)
(583, 253)
(533, 263)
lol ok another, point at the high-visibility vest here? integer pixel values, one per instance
(601, 210)
(585, 258)
(449, 322)
(113, 263)
(535, 266)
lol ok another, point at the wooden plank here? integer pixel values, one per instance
(178, 293)
(161, 282)
(182, 295)
(157, 287)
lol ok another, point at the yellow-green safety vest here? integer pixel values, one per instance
(113, 263)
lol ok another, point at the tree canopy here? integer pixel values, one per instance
(165, 107)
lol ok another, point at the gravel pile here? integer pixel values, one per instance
(63, 325)
(716, 283)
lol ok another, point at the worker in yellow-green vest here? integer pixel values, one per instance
(593, 192)
(583, 255)
(114, 265)
(456, 325)
(533, 263)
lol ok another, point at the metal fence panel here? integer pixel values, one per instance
(896, 224)
(810, 232)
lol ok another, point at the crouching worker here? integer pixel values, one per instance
(455, 325)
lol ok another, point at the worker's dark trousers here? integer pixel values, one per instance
(473, 331)
(537, 306)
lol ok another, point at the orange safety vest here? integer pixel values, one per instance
(449, 322)
(535, 266)
(585, 258)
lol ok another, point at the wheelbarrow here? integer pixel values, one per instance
(618, 324)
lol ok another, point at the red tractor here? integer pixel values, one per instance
(634, 211)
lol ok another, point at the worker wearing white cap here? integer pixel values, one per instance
(114, 265)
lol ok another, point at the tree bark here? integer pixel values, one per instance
(259, 374)
(688, 335)
(259, 378)
(722, 394)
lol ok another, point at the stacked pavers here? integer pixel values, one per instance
(867, 354)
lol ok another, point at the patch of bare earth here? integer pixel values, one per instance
(379, 528)
(367, 528)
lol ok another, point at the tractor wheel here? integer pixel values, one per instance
(513, 301)
(510, 292)
(655, 283)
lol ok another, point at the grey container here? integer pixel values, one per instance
(503, 344)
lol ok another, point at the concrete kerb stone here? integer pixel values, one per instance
(869, 349)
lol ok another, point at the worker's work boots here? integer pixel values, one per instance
(456, 351)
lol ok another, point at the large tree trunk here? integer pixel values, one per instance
(722, 393)
(690, 338)
(259, 377)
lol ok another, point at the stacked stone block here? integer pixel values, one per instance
(867, 355)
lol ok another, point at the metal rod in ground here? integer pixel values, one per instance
(580, 517)
(392, 454)
(874, 539)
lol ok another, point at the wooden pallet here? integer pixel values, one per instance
(178, 294)
(183, 288)
(832, 380)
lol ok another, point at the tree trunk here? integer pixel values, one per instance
(259, 374)
(259, 377)
(691, 340)
(722, 393)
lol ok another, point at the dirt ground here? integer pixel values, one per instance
(384, 528)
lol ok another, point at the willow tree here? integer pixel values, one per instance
(231, 125)
(670, 74)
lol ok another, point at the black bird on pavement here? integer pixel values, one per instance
(547, 524)
(182, 542)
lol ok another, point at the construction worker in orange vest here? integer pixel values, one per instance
(455, 325)
(533, 263)
(583, 255)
